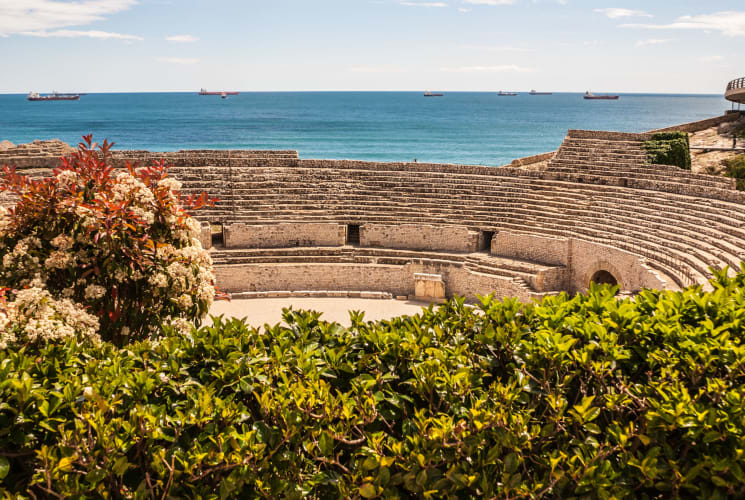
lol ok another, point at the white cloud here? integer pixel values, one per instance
(615, 13)
(490, 2)
(463, 9)
(424, 4)
(729, 23)
(710, 58)
(653, 41)
(101, 35)
(182, 38)
(35, 16)
(178, 60)
(501, 68)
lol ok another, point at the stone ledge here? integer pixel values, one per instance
(311, 293)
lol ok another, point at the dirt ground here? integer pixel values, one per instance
(721, 136)
(269, 311)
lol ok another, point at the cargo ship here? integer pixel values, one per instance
(533, 92)
(506, 94)
(54, 96)
(590, 95)
(432, 94)
(220, 93)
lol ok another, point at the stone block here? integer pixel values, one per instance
(205, 235)
(429, 287)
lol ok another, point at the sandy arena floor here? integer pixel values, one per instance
(261, 311)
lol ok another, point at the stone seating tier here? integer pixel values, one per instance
(453, 214)
(520, 271)
(505, 276)
(680, 222)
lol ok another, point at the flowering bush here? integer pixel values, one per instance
(35, 316)
(117, 241)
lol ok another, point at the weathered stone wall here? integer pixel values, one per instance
(419, 237)
(531, 247)
(551, 279)
(581, 259)
(463, 283)
(397, 280)
(607, 136)
(701, 124)
(300, 234)
(588, 258)
(530, 160)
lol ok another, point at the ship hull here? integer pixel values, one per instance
(602, 98)
(218, 93)
(59, 98)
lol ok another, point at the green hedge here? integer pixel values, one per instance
(669, 148)
(590, 396)
(735, 167)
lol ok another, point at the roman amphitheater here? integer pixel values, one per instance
(595, 210)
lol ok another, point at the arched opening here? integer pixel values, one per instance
(603, 277)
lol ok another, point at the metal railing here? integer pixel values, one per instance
(736, 84)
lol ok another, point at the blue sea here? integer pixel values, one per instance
(477, 128)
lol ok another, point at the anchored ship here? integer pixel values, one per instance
(506, 94)
(431, 94)
(590, 95)
(220, 93)
(54, 96)
(533, 92)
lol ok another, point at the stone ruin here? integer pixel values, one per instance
(595, 208)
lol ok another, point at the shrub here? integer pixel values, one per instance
(117, 241)
(669, 148)
(588, 396)
(35, 316)
(735, 167)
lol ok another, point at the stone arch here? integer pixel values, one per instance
(604, 277)
(603, 272)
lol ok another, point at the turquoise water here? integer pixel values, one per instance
(461, 127)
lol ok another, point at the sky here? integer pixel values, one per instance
(661, 46)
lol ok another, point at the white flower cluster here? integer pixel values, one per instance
(34, 315)
(22, 254)
(128, 187)
(68, 180)
(189, 272)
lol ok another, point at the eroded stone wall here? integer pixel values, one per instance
(398, 280)
(588, 258)
(581, 259)
(531, 247)
(288, 234)
(419, 237)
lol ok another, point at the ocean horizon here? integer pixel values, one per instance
(479, 128)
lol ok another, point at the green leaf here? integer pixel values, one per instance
(370, 463)
(367, 490)
(65, 464)
(326, 443)
(4, 467)
(510, 463)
